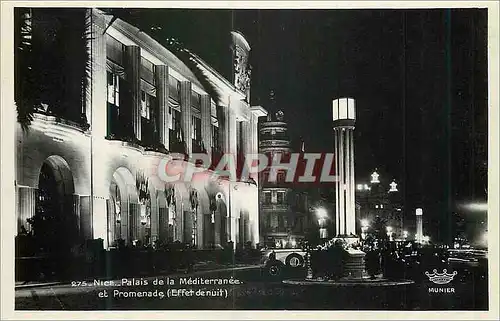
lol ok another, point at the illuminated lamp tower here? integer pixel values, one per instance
(419, 234)
(344, 118)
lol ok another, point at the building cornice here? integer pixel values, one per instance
(158, 54)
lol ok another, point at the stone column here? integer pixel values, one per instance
(206, 123)
(75, 203)
(347, 181)
(232, 143)
(96, 102)
(255, 134)
(337, 183)
(342, 213)
(155, 217)
(132, 75)
(217, 225)
(223, 118)
(100, 219)
(124, 224)
(26, 201)
(352, 223)
(186, 114)
(162, 89)
(134, 221)
(246, 139)
(86, 231)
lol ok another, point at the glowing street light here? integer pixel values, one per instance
(375, 177)
(321, 213)
(394, 187)
(363, 187)
(365, 223)
(389, 232)
(405, 234)
(322, 216)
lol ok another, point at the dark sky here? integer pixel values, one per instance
(419, 78)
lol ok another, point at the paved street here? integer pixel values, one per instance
(245, 289)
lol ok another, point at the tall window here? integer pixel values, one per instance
(146, 105)
(113, 106)
(215, 139)
(280, 197)
(196, 134)
(174, 90)
(267, 198)
(175, 130)
(115, 88)
(196, 100)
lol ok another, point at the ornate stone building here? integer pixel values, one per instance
(142, 107)
(284, 211)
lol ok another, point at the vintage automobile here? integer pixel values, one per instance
(293, 258)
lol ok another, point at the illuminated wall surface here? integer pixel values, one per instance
(108, 182)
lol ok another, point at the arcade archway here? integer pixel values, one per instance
(55, 225)
(122, 208)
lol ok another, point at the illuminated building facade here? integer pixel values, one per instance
(143, 105)
(283, 211)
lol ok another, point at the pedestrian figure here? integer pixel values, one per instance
(372, 261)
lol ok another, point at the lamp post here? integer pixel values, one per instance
(375, 178)
(419, 233)
(364, 228)
(389, 232)
(322, 215)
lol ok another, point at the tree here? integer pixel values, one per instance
(379, 229)
(52, 63)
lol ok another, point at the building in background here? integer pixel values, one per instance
(118, 106)
(284, 209)
(382, 198)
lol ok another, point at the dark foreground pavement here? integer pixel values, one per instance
(248, 288)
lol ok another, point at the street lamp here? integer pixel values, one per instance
(363, 187)
(394, 187)
(364, 228)
(405, 234)
(389, 232)
(375, 177)
(322, 215)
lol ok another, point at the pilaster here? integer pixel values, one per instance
(162, 91)
(132, 75)
(186, 114)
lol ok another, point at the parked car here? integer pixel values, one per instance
(293, 258)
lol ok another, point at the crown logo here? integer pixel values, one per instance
(440, 278)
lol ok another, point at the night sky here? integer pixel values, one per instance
(419, 78)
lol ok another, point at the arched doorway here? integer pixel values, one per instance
(122, 208)
(55, 225)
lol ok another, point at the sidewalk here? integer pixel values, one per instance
(199, 268)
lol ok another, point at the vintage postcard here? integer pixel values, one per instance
(201, 159)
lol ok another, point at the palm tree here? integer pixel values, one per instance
(52, 63)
